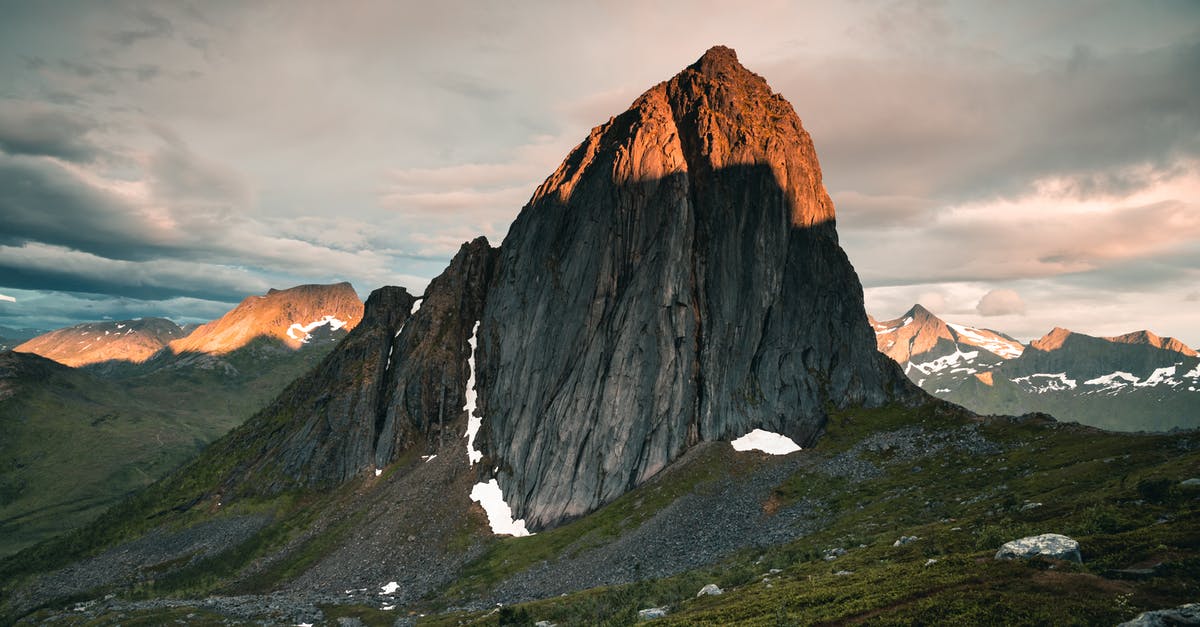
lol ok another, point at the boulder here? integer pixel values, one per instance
(1051, 545)
(905, 540)
(651, 613)
(711, 590)
(1188, 614)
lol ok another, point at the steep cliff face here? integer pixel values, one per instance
(394, 384)
(678, 279)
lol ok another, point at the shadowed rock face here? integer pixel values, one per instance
(678, 279)
(379, 393)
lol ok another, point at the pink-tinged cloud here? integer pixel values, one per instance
(1000, 303)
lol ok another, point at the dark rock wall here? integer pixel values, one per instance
(678, 279)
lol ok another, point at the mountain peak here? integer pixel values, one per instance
(1150, 339)
(718, 60)
(1052, 340)
(919, 312)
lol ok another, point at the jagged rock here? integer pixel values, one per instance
(1188, 614)
(711, 590)
(678, 279)
(1050, 545)
(382, 390)
(651, 613)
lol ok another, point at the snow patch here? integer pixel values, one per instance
(390, 587)
(991, 343)
(416, 305)
(1160, 375)
(765, 441)
(1194, 373)
(948, 361)
(499, 513)
(378, 471)
(473, 421)
(300, 331)
(1047, 382)
(428, 458)
(1117, 379)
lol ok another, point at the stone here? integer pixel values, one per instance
(651, 613)
(930, 562)
(1051, 545)
(710, 590)
(1188, 614)
(905, 540)
(677, 280)
(1194, 482)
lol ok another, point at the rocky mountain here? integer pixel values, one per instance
(293, 317)
(1129, 382)
(672, 291)
(132, 341)
(687, 254)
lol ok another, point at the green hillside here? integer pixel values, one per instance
(75, 442)
(960, 485)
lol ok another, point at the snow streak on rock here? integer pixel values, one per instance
(473, 421)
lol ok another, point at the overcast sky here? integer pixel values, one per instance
(1011, 165)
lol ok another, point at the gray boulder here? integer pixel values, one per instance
(1052, 545)
(1188, 614)
(710, 590)
(651, 613)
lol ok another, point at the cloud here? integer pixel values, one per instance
(8, 299)
(1000, 302)
(40, 129)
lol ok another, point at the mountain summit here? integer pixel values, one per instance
(677, 280)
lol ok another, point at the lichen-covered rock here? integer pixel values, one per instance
(711, 590)
(652, 613)
(678, 279)
(1051, 545)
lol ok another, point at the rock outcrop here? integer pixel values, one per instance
(396, 382)
(1051, 545)
(129, 341)
(678, 279)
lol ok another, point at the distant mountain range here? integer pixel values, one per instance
(1136, 381)
(91, 412)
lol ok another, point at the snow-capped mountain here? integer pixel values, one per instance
(89, 343)
(935, 352)
(1133, 381)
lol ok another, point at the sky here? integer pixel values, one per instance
(1017, 166)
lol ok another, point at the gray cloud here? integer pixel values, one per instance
(299, 141)
(36, 129)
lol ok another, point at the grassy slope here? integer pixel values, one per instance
(75, 444)
(1117, 494)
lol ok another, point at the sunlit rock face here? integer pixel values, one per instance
(678, 279)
